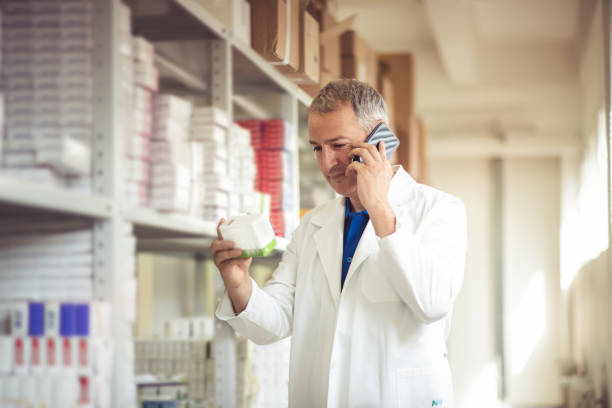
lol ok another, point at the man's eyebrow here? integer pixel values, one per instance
(333, 139)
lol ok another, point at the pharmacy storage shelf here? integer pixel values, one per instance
(175, 20)
(170, 68)
(18, 193)
(149, 223)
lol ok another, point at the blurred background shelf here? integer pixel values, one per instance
(149, 223)
(17, 195)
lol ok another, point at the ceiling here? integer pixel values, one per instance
(480, 62)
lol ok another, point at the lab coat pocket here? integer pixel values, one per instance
(376, 287)
(429, 387)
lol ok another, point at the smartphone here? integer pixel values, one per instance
(382, 133)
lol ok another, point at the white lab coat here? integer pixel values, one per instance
(381, 341)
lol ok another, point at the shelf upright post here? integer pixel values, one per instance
(225, 345)
(113, 260)
(290, 113)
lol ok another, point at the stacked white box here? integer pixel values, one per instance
(242, 169)
(140, 67)
(166, 358)
(209, 126)
(171, 158)
(47, 65)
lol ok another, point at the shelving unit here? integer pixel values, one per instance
(236, 75)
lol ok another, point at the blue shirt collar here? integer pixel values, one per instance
(348, 213)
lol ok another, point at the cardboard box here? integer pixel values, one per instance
(272, 27)
(295, 37)
(309, 68)
(331, 30)
(358, 59)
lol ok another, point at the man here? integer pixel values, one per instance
(366, 285)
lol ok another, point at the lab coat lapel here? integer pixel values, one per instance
(366, 247)
(328, 241)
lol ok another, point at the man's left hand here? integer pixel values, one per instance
(373, 175)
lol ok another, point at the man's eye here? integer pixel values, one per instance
(317, 148)
(339, 145)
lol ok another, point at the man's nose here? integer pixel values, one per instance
(329, 158)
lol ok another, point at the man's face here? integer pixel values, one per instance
(333, 136)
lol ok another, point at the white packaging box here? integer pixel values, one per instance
(215, 167)
(167, 105)
(19, 144)
(240, 135)
(197, 199)
(143, 50)
(138, 146)
(252, 233)
(216, 199)
(208, 132)
(175, 152)
(142, 99)
(146, 75)
(67, 155)
(218, 150)
(76, 62)
(208, 115)
(76, 114)
(176, 199)
(137, 170)
(6, 351)
(256, 203)
(177, 329)
(234, 14)
(214, 213)
(35, 175)
(202, 328)
(19, 159)
(170, 129)
(197, 160)
(142, 122)
(137, 193)
(165, 175)
(234, 203)
(220, 183)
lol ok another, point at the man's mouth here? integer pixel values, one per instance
(336, 176)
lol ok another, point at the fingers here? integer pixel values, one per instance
(224, 256)
(382, 150)
(221, 221)
(221, 245)
(354, 167)
(367, 152)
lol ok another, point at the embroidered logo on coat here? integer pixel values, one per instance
(437, 403)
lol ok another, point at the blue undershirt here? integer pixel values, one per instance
(354, 225)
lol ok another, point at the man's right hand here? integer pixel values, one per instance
(234, 271)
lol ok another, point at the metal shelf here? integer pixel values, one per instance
(16, 194)
(170, 68)
(149, 223)
(175, 20)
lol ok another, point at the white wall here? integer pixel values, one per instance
(586, 280)
(531, 280)
(531, 191)
(472, 341)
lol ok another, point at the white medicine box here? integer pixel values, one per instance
(235, 14)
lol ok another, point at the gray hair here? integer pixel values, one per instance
(368, 105)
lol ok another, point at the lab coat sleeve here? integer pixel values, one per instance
(426, 266)
(268, 316)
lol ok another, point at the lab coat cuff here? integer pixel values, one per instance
(225, 309)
